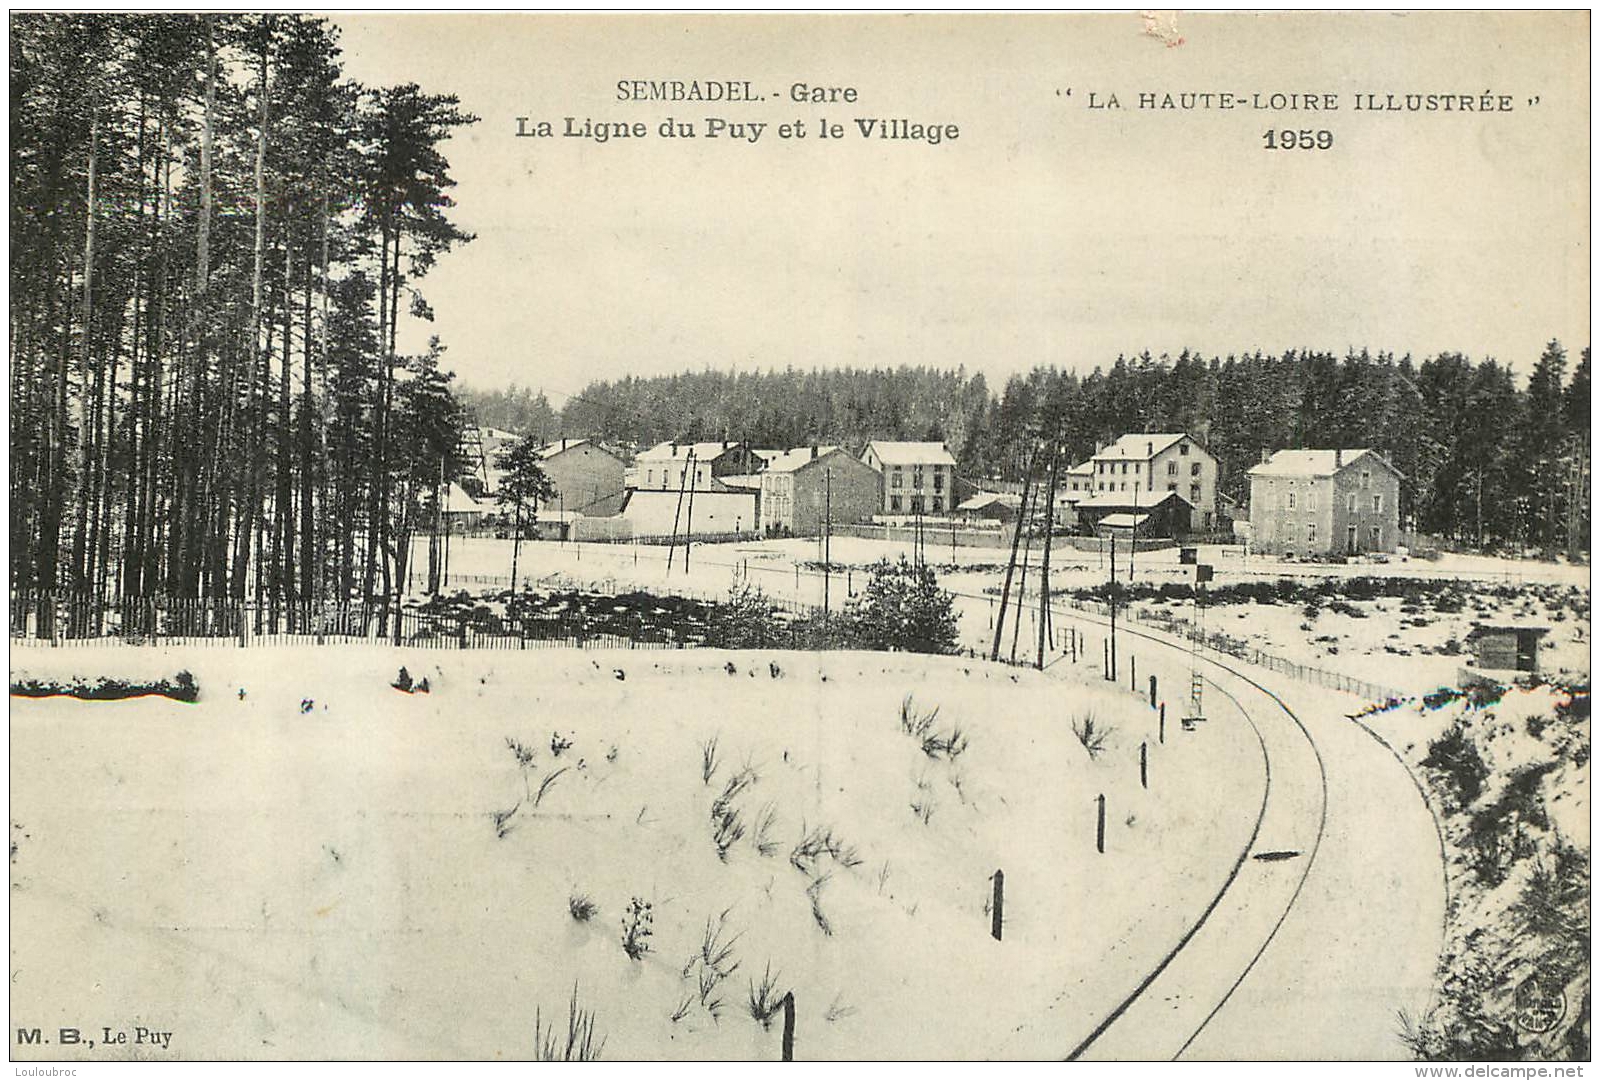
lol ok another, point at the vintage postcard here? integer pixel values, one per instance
(799, 536)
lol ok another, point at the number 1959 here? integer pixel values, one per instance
(1304, 139)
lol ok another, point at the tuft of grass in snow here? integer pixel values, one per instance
(816, 843)
(814, 895)
(914, 724)
(544, 785)
(579, 1045)
(1091, 733)
(582, 907)
(766, 1000)
(766, 821)
(837, 1011)
(708, 760)
(727, 823)
(636, 928)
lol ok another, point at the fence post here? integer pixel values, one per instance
(1133, 672)
(1100, 824)
(788, 1026)
(1161, 732)
(1144, 765)
(995, 915)
(1152, 692)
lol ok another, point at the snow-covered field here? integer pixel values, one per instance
(306, 862)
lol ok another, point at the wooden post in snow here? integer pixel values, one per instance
(1133, 673)
(1152, 692)
(1162, 730)
(1100, 824)
(996, 916)
(788, 1026)
(1144, 765)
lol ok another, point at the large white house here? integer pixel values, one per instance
(918, 478)
(1158, 462)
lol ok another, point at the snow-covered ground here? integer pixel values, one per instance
(306, 862)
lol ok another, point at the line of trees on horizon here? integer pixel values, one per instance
(215, 237)
(1487, 459)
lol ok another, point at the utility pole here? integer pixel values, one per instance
(682, 478)
(1022, 583)
(827, 537)
(1111, 598)
(1011, 564)
(688, 529)
(1044, 571)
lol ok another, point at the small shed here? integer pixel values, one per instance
(990, 506)
(1137, 523)
(1510, 647)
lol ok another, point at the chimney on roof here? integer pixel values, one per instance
(1149, 448)
(1338, 459)
(724, 444)
(813, 452)
(674, 449)
(563, 442)
(1266, 456)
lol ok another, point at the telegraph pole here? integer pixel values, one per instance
(1044, 571)
(1011, 564)
(1111, 598)
(688, 529)
(827, 537)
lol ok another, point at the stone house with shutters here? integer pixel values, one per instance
(1324, 502)
(918, 478)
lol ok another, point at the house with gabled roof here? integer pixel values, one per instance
(667, 467)
(587, 477)
(804, 488)
(1324, 502)
(1160, 462)
(918, 478)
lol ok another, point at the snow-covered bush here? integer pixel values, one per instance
(636, 929)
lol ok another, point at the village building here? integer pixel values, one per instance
(806, 487)
(664, 466)
(1001, 507)
(1506, 647)
(655, 514)
(1147, 514)
(1324, 502)
(587, 477)
(917, 478)
(1145, 462)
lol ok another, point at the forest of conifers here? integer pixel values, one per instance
(216, 235)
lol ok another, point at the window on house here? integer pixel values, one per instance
(1124, 487)
(1311, 500)
(896, 480)
(938, 481)
(1135, 487)
(1124, 467)
(916, 476)
(1377, 502)
(1376, 533)
(1194, 493)
(1311, 533)
(938, 504)
(1291, 501)
(1183, 448)
(916, 504)
(649, 477)
(894, 502)
(1350, 503)
(1172, 469)
(1194, 469)
(1366, 478)
(1172, 486)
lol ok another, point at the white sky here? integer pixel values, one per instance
(1047, 233)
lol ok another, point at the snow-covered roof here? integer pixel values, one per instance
(550, 450)
(746, 481)
(790, 460)
(1310, 463)
(1139, 446)
(1143, 500)
(1124, 521)
(1086, 469)
(890, 452)
(459, 501)
(766, 454)
(989, 499)
(703, 452)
